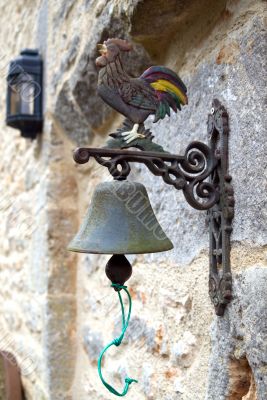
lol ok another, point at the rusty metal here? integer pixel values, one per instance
(220, 216)
(189, 173)
(12, 378)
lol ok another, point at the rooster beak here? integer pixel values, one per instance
(102, 48)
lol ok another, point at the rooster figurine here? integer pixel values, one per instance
(156, 91)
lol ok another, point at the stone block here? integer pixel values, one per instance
(239, 339)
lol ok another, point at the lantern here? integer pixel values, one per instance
(24, 94)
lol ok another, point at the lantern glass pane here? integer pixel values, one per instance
(14, 102)
(27, 98)
(22, 95)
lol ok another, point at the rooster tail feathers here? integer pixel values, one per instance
(176, 100)
(162, 109)
(170, 90)
(152, 74)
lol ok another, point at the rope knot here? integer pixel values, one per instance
(117, 342)
(130, 380)
(118, 286)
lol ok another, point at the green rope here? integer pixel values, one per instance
(117, 342)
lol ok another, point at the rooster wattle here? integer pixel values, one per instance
(156, 91)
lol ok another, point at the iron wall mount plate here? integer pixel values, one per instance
(221, 215)
(202, 174)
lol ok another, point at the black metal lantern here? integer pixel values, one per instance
(24, 94)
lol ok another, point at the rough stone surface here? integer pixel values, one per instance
(239, 340)
(57, 309)
(224, 79)
(93, 343)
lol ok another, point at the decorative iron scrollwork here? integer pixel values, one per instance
(185, 173)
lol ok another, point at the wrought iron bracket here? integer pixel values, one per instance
(202, 174)
(187, 173)
(221, 215)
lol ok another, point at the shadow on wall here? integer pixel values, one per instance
(154, 26)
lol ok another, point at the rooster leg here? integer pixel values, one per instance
(132, 135)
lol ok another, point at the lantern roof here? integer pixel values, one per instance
(29, 61)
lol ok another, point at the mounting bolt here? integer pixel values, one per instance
(228, 178)
(228, 229)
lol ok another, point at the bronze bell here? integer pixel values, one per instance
(120, 220)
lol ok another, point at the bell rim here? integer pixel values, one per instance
(74, 250)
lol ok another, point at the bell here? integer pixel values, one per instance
(120, 220)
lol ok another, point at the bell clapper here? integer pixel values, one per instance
(118, 270)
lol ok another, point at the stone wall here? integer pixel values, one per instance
(57, 310)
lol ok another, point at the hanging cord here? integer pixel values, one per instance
(117, 342)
